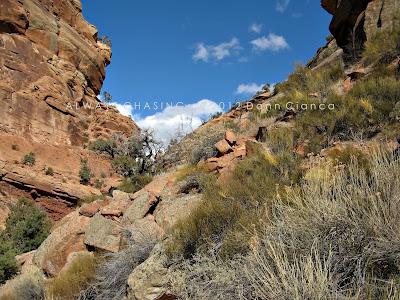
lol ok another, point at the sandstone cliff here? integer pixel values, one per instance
(355, 21)
(51, 70)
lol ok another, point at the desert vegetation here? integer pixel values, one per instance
(384, 47)
(26, 228)
(328, 238)
(134, 158)
(85, 173)
(29, 159)
(282, 228)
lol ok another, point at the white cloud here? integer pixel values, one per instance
(124, 109)
(218, 52)
(282, 5)
(201, 53)
(255, 28)
(273, 42)
(178, 119)
(248, 89)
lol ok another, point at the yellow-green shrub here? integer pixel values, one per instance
(229, 212)
(76, 278)
(384, 46)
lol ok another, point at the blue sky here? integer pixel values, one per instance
(180, 51)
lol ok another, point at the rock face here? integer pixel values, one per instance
(354, 21)
(65, 239)
(148, 281)
(51, 70)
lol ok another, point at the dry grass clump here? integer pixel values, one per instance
(77, 277)
(28, 286)
(207, 276)
(350, 228)
(111, 275)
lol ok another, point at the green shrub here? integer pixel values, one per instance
(228, 212)
(381, 94)
(367, 109)
(85, 172)
(134, 183)
(49, 171)
(125, 165)
(104, 146)
(301, 84)
(27, 226)
(281, 139)
(8, 264)
(348, 155)
(98, 184)
(29, 159)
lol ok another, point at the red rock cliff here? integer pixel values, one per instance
(51, 68)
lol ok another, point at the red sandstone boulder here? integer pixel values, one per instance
(223, 147)
(230, 137)
(65, 239)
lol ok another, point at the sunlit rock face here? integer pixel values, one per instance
(354, 21)
(52, 68)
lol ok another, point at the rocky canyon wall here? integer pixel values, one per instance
(52, 68)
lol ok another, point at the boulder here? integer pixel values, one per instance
(253, 147)
(223, 147)
(103, 234)
(172, 208)
(240, 151)
(74, 256)
(120, 196)
(230, 137)
(145, 228)
(117, 204)
(139, 207)
(262, 134)
(149, 280)
(90, 209)
(25, 260)
(111, 212)
(210, 164)
(65, 238)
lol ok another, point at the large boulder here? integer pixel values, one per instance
(140, 207)
(223, 147)
(67, 237)
(103, 234)
(149, 280)
(174, 207)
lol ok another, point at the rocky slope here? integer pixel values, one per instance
(51, 69)
(107, 225)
